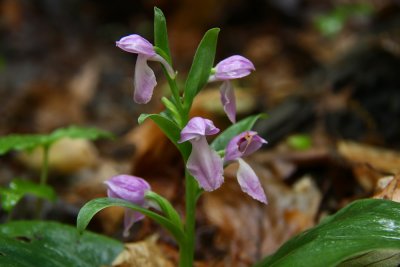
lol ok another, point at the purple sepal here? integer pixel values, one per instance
(136, 44)
(196, 128)
(233, 67)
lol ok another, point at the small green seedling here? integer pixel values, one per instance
(27, 142)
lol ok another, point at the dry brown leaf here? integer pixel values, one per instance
(208, 101)
(249, 230)
(382, 159)
(145, 253)
(369, 163)
(156, 159)
(84, 84)
(66, 155)
(389, 188)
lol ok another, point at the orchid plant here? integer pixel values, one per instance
(204, 162)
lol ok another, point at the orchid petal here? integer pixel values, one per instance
(205, 165)
(136, 44)
(196, 128)
(228, 100)
(249, 182)
(144, 81)
(233, 67)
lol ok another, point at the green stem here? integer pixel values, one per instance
(177, 100)
(186, 253)
(187, 245)
(43, 177)
(45, 165)
(10, 215)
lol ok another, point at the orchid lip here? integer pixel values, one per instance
(243, 145)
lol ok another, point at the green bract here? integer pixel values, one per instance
(201, 67)
(169, 128)
(161, 35)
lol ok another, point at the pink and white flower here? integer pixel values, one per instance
(144, 79)
(233, 67)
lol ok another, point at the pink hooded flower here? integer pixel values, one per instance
(132, 189)
(144, 80)
(204, 163)
(233, 67)
(240, 146)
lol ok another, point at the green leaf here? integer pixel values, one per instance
(166, 207)
(246, 124)
(28, 187)
(160, 34)
(21, 142)
(94, 206)
(90, 133)
(333, 22)
(367, 229)
(299, 141)
(170, 129)
(50, 244)
(377, 258)
(18, 188)
(9, 198)
(31, 141)
(201, 67)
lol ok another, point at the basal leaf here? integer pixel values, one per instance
(50, 244)
(201, 67)
(223, 139)
(92, 207)
(160, 34)
(364, 232)
(376, 258)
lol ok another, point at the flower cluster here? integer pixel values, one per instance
(204, 163)
(233, 67)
